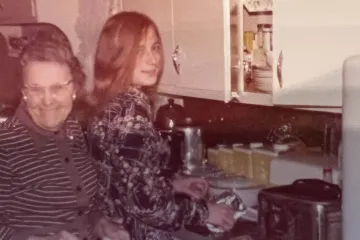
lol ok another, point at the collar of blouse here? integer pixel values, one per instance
(41, 136)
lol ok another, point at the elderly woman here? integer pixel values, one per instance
(132, 155)
(47, 181)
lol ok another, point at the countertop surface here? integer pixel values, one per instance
(243, 230)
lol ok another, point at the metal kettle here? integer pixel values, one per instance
(192, 145)
(171, 122)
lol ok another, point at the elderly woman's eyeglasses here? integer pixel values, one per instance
(56, 90)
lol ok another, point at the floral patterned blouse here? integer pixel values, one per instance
(133, 159)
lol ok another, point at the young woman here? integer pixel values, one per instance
(132, 157)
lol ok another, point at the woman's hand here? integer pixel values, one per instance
(110, 230)
(193, 187)
(221, 215)
(63, 235)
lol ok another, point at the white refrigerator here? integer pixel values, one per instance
(351, 149)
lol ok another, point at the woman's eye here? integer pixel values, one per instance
(34, 89)
(57, 88)
(141, 50)
(157, 47)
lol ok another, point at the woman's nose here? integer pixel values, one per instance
(150, 58)
(47, 97)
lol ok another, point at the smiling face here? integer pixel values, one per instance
(49, 93)
(149, 60)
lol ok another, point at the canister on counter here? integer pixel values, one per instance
(243, 161)
(212, 155)
(225, 159)
(261, 159)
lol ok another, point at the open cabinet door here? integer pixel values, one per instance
(311, 41)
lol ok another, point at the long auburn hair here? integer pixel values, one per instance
(116, 55)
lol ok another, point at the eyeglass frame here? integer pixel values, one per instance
(53, 93)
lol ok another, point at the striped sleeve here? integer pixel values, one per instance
(5, 192)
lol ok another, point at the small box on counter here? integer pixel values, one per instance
(225, 159)
(212, 155)
(261, 159)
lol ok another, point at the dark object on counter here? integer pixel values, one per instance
(175, 141)
(308, 209)
(173, 125)
(169, 115)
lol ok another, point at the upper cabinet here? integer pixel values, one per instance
(201, 48)
(309, 41)
(194, 35)
(268, 52)
(17, 11)
(63, 14)
(261, 52)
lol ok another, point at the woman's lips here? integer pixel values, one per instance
(151, 73)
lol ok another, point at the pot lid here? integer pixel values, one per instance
(169, 115)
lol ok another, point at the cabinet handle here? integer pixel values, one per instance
(279, 69)
(175, 57)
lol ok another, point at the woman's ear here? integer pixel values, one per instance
(24, 95)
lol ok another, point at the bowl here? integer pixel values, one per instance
(244, 188)
(263, 84)
(269, 58)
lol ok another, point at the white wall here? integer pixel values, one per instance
(63, 14)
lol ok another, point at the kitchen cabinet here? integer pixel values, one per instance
(312, 37)
(63, 14)
(311, 40)
(17, 11)
(195, 46)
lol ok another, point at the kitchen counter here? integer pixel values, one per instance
(243, 230)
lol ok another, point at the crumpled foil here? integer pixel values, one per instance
(232, 199)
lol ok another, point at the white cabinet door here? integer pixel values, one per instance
(314, 37)
(203, 35)
(160, 11)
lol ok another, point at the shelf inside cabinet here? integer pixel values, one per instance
(254, 6)
(250, 62)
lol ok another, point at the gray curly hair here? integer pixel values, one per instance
(52, 45)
